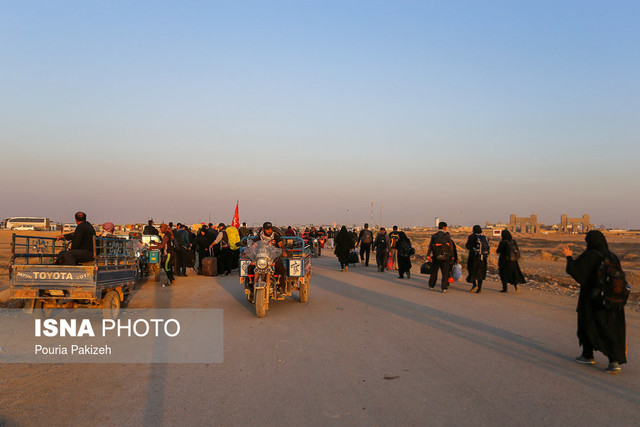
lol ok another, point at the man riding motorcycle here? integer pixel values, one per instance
(268, 234)
(316, 239)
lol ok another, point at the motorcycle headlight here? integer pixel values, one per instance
(262, 263)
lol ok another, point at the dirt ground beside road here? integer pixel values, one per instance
(542, 261)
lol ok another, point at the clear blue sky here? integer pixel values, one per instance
(466, 110)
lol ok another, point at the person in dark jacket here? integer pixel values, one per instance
(381, 248)
(508, 267)
(81, 249)
(478, 246)
(599, 328)
(244, 231)
(344, 246)
(365, 239)
(202, 246)
(182, 250)
(443, 254)
(404, 252)
(150, 229)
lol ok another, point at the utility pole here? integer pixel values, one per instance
(371, 220)
(381, 222)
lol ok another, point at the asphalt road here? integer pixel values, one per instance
(368, 349)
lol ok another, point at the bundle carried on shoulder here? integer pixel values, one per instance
(514, 251)
(405, 249)
(481, 247)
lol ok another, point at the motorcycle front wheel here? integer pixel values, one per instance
(261, 302)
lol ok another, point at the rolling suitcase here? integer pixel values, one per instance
(209, 266)
(353, 258)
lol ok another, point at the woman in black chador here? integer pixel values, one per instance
(344, 245)
(404, 255)
(599, 328)
(508, 256)
(478, 246)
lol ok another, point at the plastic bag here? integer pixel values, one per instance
(456, 272)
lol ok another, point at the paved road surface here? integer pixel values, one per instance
(368, 349)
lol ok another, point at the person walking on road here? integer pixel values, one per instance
(508, 267)
(344, 246)
(224, 259)
(478, 246)
(405, 250)
(365, 239)
(183, 246)
(381, 248)
(393, 246)
(599, 328)
(443, 254)
(168, 253)
(202, 246)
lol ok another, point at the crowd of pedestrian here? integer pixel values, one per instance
(601, 319)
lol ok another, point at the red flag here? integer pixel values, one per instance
(236, 219)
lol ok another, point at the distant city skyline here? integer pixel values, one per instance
(302, 111)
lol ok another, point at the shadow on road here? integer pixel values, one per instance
(494, 338)
(231, 284)
(156, 387)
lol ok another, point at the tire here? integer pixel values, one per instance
(111, 305)
(137, 273)
(261, 304)
(304, 290)
(39, 312)
(319, 250)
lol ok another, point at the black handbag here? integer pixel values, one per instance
(426, 268)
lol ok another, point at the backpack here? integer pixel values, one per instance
(405, 249)
(233, 236)
(612, 287)
(393, 240)
(442, 250)
(514, 252)
(382, 241)
(367, 236)
(482, 246)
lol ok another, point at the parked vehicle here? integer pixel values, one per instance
(69, 227)
(24, 228)
(258, 275)
(37, 223)
(103, 283)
